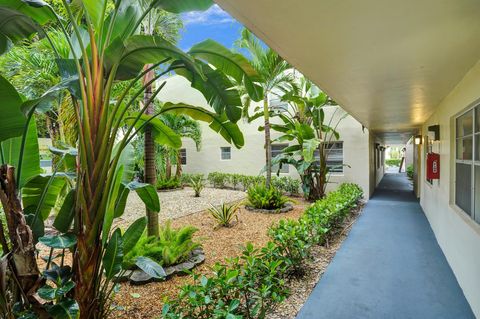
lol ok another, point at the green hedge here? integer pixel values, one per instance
(286, 184)
(393, 162)
(410, 171)
(249, 286)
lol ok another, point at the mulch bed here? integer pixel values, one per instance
(220, 243)
(147, 301)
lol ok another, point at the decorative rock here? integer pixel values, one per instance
(139, 277)
(286, 208)
(198, 259)
(124, 277)
(184, 266)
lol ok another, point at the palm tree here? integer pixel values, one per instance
(273, 76)
(185, 127)
(167, 25)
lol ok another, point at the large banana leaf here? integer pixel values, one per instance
(38, 10)
(10, 151)
(217, 122)
(33, 191)
(12, 121)
(14, 26)
(230, 63)
(136, 51)
(219, 91)
(94, 9)
(162, 134)
(179, 6)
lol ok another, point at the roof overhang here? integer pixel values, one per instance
(388, 63)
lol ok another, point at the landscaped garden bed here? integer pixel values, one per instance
(218, 244)
(315, 231)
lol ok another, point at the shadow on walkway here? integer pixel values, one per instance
(390, 265)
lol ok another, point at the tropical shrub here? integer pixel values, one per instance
(234, 180)
(217, 179)
(171, 247)
(292, 238)
(250, 285)
(261, 197)
(243, 287)
(224, 214)
(172, 183)
(198, 184)
(410, 171)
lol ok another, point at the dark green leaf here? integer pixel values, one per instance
(176, 6)
(147, 193)
(65, 216)
(133, 234)
(12, 120)
(63, 241)
(31, 156)
(219, 91)
(162, 134)
(113, 258)
(33, 191)
(66, 309)
(139, 50)
(230, 63)
(219, 123)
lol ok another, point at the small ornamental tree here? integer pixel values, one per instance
(305, 125)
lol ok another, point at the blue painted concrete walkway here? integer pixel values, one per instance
(390, 266)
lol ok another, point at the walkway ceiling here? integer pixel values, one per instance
(388, 63)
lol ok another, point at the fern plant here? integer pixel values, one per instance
(224, 214)
(171, 247)
(262, 197)
(198, 184)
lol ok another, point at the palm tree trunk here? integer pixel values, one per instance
(168, 165)
(150, 174)
(178, 172)
(268, 142)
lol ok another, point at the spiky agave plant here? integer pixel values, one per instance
(105, 49)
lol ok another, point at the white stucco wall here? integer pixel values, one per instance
(457, 234)
(251, 158)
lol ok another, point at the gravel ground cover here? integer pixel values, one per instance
(178, 203)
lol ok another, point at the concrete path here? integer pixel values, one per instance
(390, 266)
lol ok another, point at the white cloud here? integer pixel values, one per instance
(214, 15)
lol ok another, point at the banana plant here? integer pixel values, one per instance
(304, 124)
(105, 49)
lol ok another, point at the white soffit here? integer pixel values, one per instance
(388, 63)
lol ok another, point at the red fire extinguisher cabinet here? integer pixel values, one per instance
(433, 166)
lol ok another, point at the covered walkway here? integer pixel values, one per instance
(390, 266)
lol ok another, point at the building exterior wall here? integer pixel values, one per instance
(250, 159)
(457, 234)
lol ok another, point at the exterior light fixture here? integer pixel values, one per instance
(418, 140)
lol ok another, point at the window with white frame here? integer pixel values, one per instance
(467, 162)
(277, 150)
(183, 156)
(226, 153)
(334, 156)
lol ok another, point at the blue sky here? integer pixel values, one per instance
(213, 24)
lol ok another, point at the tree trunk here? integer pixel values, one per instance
(178, 172)
(268, 142)
(150, 168)
(22, 258)
(168, 166)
